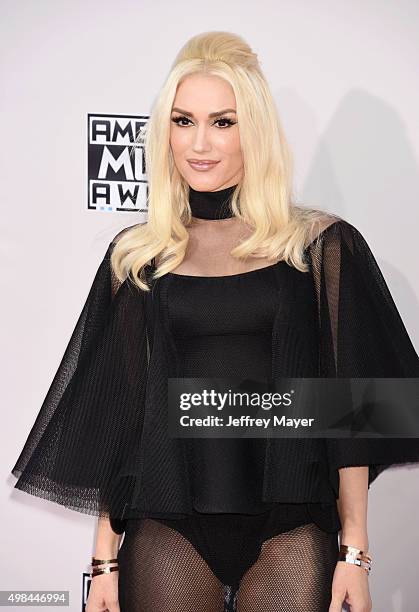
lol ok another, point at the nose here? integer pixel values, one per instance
(201, 141)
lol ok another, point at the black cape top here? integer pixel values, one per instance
(99, 444)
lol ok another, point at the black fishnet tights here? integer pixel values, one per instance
(293, 573)
(161, 571)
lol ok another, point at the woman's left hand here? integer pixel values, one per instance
(350, 586)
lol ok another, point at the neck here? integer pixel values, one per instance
(211, 204)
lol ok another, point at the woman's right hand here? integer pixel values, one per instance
(103, 593)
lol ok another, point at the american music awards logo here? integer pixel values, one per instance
(116, 163)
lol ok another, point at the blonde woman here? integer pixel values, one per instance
(228, 277)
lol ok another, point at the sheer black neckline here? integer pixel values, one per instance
(213, 205)
(237, 275)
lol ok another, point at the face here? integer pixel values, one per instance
(204, 128)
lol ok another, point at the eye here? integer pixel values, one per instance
(178, 120)
(226, 120)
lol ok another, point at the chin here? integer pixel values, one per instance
(205, 183)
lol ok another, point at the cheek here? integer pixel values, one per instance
(229, 143)
(179, 141)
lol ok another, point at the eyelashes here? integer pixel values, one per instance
(226, 120)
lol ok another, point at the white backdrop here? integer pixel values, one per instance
(343, 75)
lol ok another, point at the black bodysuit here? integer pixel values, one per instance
(222, 326)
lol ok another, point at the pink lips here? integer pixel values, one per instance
(202, 165)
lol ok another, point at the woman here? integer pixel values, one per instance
(228, 277)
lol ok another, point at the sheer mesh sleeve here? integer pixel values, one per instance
(361, 335)
(81, 449)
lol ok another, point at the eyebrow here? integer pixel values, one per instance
(216, 114)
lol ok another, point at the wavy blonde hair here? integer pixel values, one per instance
(282, 229)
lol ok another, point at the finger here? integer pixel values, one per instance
(361, 607)
(336, 603)
(113, 606)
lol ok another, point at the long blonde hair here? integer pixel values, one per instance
(281, 228)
